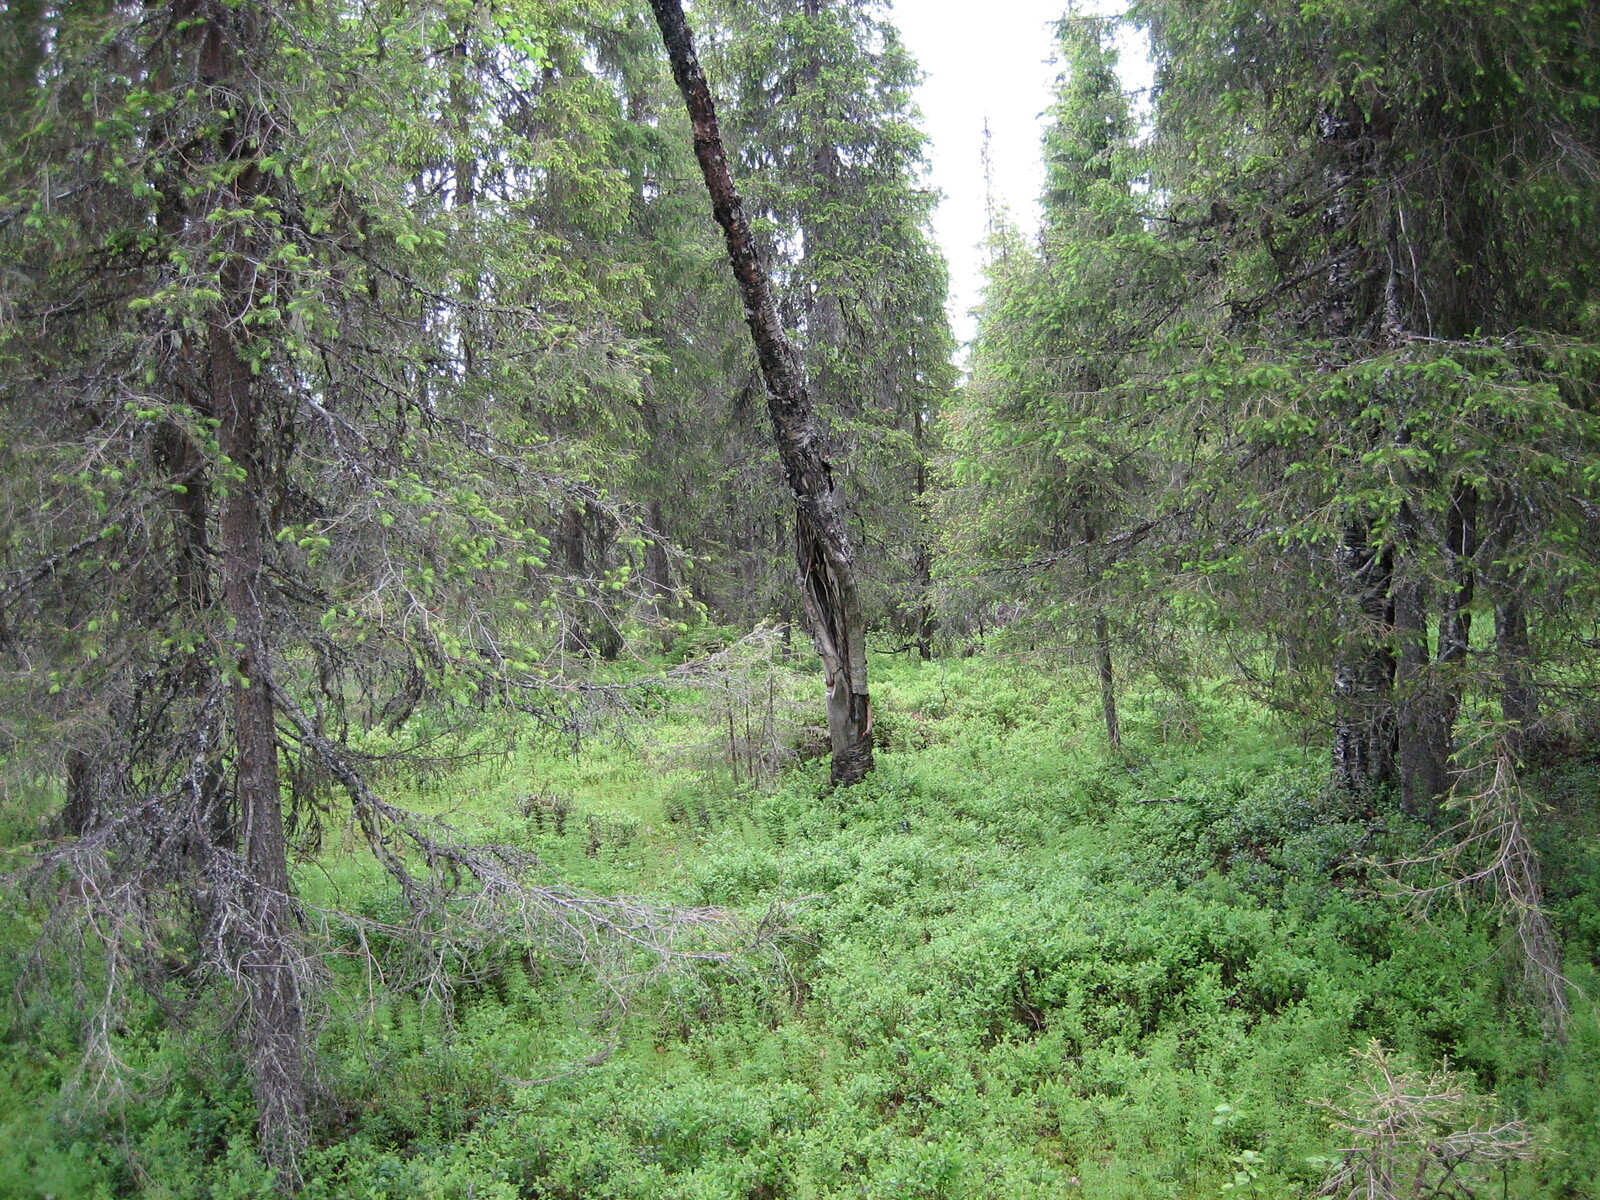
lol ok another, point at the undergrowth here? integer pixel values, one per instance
(1014, 966)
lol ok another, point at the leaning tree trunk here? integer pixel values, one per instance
(824, 555)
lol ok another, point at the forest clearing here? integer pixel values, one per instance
(532, 665)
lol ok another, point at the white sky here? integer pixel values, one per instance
(991, 60)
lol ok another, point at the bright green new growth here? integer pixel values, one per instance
(396, 602)
(1010, 963)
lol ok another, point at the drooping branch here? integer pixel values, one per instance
(824, 555)
(1492, 850)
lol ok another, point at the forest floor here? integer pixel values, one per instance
(1011, 964)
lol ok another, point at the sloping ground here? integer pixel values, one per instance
(1012, 968)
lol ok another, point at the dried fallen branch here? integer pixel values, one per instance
(154, 895)
(1415, 1135)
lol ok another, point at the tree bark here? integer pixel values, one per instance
(1426, 692)
(1461, 538)
(657, 566)
(1519, 699)
(569, 542)
(923, 555)
(267, 953)
(1363, 675)
(1513, 644)
(823, 551)
(1108, 681)
(82, 811)
(191, 504)
(1429, 695)
(1365, 725)
(1423, 720)
(262, 940)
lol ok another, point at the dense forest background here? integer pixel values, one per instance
(438, 601)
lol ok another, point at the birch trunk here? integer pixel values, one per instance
(824, 556)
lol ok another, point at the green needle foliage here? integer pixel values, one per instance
(1396, 370)
(1313, 355)
(305, 356)
(819, 109)
(396, 581)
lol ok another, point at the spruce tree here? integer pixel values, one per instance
(1053, 470)
(818, 107)
(305, 348)
(1382, 214)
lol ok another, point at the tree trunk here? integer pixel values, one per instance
(923, 622)
(262, 937)
(823, 552)
(1364, 668)
(1519, 699)
(1461, 536)
(82, 811)
(569, 542)
(1108, 682)
(923, 558)
(1425, 697)
(267, 953)
(1424, 724)
(191, 504)
(657, 566)
(1513, 646)
(1363, 675)
(1430, 697)
(658, 576)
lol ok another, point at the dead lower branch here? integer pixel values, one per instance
(1490, 851)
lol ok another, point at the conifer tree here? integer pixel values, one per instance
(818, 104)
(1051, 467)
(824, 550)
(301, 352)
(1384, 222)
